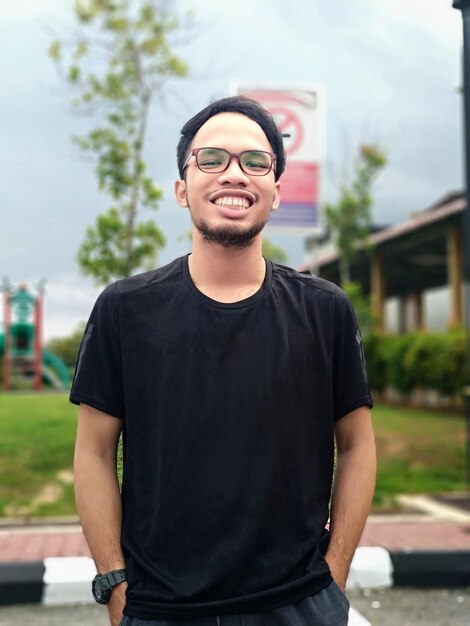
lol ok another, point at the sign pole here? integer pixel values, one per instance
(464, 6)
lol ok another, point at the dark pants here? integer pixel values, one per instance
(329, 607)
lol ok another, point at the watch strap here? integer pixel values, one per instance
(113, 578)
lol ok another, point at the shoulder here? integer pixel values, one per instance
(133, 284)
(309, 281)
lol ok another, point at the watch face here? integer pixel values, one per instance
(101, 587)
(101, 595)
(97, 590)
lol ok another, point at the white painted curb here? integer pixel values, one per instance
(371, 568)
(356, 619)
(67, 580)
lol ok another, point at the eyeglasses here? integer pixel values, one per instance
(217, 160)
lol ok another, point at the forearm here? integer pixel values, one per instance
(99, 507)
(353, 488)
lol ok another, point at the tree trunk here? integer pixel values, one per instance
(344, 272)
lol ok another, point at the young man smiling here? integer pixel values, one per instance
(230, 377)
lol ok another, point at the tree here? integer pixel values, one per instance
(350, 218)
(66, 348)
(365, 316)
(270, 250)
(273, 252)
(118, 65)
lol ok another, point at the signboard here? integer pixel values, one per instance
(298, 112)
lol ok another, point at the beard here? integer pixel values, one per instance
(230, 236)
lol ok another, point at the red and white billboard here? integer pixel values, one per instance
(299, 112)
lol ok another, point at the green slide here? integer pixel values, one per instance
(53, 369)
(52, 362)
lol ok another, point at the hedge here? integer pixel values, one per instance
(426, 360)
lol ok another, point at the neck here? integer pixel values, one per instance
(214, 266)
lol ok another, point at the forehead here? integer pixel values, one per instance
(232, 131)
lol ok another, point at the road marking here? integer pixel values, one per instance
(356, 619)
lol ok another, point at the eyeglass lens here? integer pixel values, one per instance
(253, 162)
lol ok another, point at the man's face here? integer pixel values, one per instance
(231, 207)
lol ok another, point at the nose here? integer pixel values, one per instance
(234, 173)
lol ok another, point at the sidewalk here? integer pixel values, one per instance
(394, 533)
(52, 564)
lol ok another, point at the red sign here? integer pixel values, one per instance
(296, 112)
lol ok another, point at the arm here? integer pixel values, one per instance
(98, 497)
(353, 488)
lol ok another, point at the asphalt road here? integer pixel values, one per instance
(393, 607)
(412, 607)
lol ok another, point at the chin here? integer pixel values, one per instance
(229, 235)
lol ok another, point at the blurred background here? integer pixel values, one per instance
(391, 73)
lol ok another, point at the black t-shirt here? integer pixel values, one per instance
(228, 413)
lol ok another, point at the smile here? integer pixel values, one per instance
(234, 202)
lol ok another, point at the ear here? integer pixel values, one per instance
(180, 193)
(276, 197)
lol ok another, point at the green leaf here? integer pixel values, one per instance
(177, 66)
(151, 45)
(274, 252)
(74, 74)
(118, 24)
(55, 51)
(350, 218)
(85, 10)
(80, 51)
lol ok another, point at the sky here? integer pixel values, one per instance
(390, 69)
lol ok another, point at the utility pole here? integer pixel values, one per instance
(464, 6)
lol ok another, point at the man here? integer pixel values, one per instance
(230, 377)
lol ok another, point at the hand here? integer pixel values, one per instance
(339, 573)
(340, 581)
(116, 603)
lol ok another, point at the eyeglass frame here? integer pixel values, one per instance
(195, 151)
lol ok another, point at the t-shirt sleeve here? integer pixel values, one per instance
(98, 374)
(350, 384)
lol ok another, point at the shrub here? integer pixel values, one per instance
(66, 348)
(428, 360)
(376, 353)
(398, 374)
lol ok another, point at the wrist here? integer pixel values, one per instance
(108, 566)
(103, 584)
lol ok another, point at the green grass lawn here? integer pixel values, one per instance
(37, 432)
(418, 452)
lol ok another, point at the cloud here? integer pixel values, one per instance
(16, 10)
(436, 18)
(398, 183)
(68, 302)
(390, 69)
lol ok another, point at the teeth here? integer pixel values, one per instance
(232, 201)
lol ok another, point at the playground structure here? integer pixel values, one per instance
(21, 343)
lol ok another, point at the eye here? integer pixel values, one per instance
(210, 162)
(258, 161)
(255, 165)
(211, 158)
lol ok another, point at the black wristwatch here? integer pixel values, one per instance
(103, 584)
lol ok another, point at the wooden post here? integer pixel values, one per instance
(402, 310)
(418, 306)
(455, 273)
(378, 290)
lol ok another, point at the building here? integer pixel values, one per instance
(413, 270)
